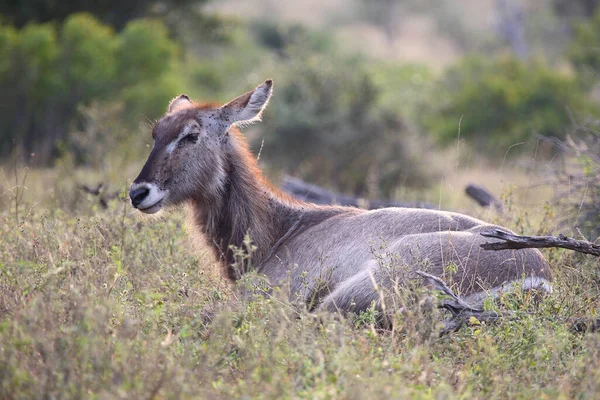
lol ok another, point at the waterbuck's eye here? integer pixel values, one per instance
(187, 139)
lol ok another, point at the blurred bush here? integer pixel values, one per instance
(403, 87)
(327, 125)
(584, 50)
(575, 8)
(575, 183)
(499, 102)
(284, 39)
(48, 71)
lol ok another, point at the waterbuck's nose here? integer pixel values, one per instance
(138, 195)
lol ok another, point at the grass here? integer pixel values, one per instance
(103, 304)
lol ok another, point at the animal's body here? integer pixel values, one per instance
(327, 254)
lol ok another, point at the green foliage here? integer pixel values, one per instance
(584, 50)
(88, 56)
(113, 12)
(328, 126)
(404, 87)
(144, 43)
(147, 87)
(47, 72)
(27, 79)
(37, 52)
(576, 186)
(499, 102)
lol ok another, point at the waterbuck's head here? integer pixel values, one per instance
(187, 160)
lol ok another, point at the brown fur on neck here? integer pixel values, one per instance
(245, 204)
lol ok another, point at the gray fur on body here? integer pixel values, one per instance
(340, 259)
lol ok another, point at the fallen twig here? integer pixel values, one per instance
(461, 311)
(512, 241)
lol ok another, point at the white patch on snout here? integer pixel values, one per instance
(155, 199)
(529, 283)
(173, 145)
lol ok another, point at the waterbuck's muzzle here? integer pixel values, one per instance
(138, 195)
(147, 197)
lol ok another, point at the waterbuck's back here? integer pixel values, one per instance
(349, 249)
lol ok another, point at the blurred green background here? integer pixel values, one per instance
(376, 98)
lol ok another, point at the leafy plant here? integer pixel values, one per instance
(47, 72)
(113, 12)
(584, 50)
(500, 102)
(575, 180)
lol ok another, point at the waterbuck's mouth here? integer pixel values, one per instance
(147, 197)
(154, 208)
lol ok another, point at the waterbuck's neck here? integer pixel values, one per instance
(244, 204)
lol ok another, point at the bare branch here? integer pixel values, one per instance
(461, 311)
(512, 241)
(440, 285)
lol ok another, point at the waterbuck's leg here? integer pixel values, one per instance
(535, 285)
(355, 294)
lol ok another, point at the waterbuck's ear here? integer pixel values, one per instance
(178, 103)
(249, 106)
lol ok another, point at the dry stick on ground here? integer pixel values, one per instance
(460, 310)
(512, 241)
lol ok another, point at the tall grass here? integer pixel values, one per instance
(102, 304)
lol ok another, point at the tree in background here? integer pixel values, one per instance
(499, 102)
(116, 13)
(384, 14)
(185, 19)
(47, 71)
(584, 51)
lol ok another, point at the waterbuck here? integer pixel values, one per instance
(325, 253)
